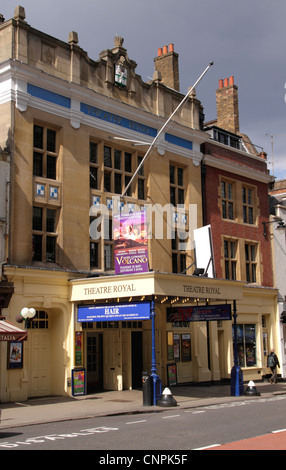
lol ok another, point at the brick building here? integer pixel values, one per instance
(235, 185)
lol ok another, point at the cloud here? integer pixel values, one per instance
(245, 39)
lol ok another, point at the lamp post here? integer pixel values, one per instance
(154, 375)
(236, 372)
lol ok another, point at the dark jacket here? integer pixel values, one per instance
(276, 361)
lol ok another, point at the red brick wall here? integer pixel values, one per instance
(238, 230)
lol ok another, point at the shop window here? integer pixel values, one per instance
(246, 344)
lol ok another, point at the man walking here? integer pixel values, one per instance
(273, 362)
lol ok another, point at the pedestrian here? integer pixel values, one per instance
(273, 362)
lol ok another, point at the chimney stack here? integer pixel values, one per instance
(167, 63)
(227, 105)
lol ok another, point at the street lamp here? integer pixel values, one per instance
(281, 226)
(26, 314)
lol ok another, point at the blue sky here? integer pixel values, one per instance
(246, 39)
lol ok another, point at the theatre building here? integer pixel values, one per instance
(75, 130)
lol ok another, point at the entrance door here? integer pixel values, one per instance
(40, 360)
(137, 359)
(94, 382)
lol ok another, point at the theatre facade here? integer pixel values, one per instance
(75, 131)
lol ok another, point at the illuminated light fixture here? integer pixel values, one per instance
(26, 315)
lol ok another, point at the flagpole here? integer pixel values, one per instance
(164, 126)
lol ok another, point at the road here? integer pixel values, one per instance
(169, 431)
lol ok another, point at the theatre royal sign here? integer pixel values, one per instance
(154, 283)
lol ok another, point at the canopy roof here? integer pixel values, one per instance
(10, 332)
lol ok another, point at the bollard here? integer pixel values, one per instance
(251, 389)
(167, 398)
(147, 388)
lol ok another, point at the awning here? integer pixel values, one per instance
(10, 332)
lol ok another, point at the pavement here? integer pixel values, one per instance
(108, 403)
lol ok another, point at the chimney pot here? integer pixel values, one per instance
(226, 82)
(231, 80)
(171, 47)
(160, 52)
(220, 83)
(165, 49)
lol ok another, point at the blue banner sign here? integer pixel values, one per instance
(115, 312)
(201, 313)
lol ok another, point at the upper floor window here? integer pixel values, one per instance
(93, 168)
(230, 259)
(44, 234)
(45, 152)
(177, 189)
(248, 208)
(251, 261)
(227, 200)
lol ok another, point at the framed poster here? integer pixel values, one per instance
(170, 346)
(172, 374)
(78, 348)
(186, 348)
(15, 354)
(78, 382)
(176, 341)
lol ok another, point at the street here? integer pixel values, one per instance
(170, 430)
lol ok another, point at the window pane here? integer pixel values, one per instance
(141, 189)
(141, 171)
(117, 159)
(51, 220)
(180, 177)
(37, 164)
(181, 196)
(37, 218)
(107, 157)
(223, 194)
(108, 256)
(51, 249)
(38, 137)
(128, 162)
(172, 174)
(37, 247)
(94, 255)
(51, 140)
(107, 181)
(230, 210)
(51, 167)
(173, 196)
(129, 191)
(117, 183)
(93, 152)
(93, 177)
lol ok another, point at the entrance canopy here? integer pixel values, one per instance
(9, 332)
(155, 284)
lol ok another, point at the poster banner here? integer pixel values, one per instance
(202, 313)
(78, 382)
(130, 243)
(117, 312)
